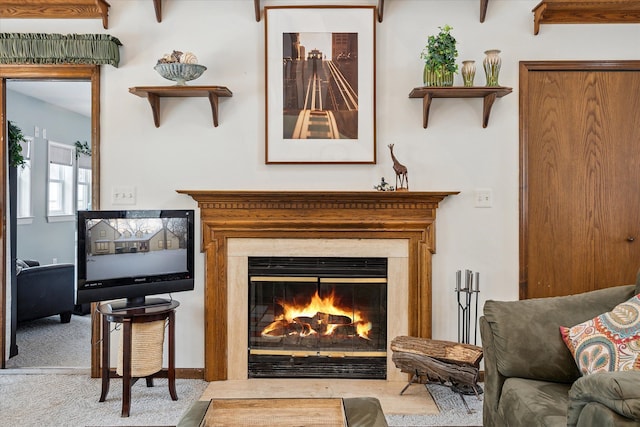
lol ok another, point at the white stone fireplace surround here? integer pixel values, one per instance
(395, 250)
(397, 225)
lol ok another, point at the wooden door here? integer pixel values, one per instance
(579, 176)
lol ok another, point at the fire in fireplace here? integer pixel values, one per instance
(317, 317)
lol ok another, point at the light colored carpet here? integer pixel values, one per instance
(59, 400)
(54, 396)
(48, 343)
(71, 400)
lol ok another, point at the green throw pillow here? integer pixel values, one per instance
(609, 342)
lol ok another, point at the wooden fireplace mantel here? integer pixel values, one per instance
(406, 215)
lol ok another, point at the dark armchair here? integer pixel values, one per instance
(46, 290)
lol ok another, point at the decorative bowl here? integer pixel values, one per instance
(179, 72)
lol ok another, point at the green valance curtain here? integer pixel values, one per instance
(37, 48)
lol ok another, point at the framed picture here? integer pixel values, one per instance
(320, 84)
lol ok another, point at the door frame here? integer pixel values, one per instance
(45, 72)
(525, 68)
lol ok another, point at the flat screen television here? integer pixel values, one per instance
(128, 255)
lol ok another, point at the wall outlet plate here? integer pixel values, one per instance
(484, 198)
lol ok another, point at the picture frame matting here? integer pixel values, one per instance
(320, 84)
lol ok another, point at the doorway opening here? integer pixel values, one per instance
(82, 193)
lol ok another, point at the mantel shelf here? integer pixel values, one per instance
(585, 12)
(154, 93)
(489, 94)
(56, 9)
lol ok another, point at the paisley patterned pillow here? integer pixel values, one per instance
(609, 342)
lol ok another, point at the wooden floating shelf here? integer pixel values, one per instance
(483, 9)
(489, 94)
(585, 12)
(157, 5)
(154, 93)
(56, 9)
(380, 9)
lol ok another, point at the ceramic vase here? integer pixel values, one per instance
(492, 63)
(432, 77)
(468, 71)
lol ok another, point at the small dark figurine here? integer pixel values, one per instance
(401, 172)
(383, 186)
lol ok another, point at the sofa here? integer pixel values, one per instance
(45, 290)
(531, 376)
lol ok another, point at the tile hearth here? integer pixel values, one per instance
(416, 400)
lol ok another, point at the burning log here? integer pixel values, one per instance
(345, 331)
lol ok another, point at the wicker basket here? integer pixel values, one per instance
(147, 340)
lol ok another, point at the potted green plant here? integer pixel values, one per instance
(82, 148)
(15, 149)
(439, 57)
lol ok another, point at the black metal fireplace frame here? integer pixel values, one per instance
(308, 362)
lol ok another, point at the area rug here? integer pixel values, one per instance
(454, 411)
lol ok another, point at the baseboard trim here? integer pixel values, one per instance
(181, 373)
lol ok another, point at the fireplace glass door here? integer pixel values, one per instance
(317, 317)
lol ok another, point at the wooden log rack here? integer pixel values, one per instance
(448, 363)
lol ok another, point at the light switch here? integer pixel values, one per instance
(123, 195)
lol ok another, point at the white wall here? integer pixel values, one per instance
(454, 153)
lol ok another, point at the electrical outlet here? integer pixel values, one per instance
(484, 198)
(123, 195)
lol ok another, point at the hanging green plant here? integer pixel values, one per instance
(15, 149)
(82, 148)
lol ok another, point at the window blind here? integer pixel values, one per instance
(60, 154)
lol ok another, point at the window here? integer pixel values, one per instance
(24, 210)
(60, 204)
(84, 189)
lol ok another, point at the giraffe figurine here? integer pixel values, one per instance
(401, 172)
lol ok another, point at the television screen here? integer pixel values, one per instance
(134, 253)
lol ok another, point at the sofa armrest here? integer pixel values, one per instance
(493, 379)
(618, 391)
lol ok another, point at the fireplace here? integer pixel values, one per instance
(240, 224)
(317, 317)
